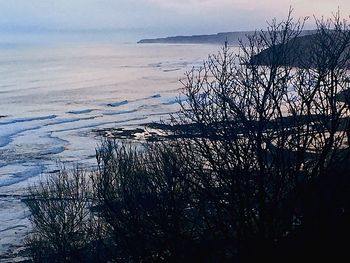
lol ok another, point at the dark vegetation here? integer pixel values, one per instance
(255, 167)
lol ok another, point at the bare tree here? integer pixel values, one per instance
(265, 126)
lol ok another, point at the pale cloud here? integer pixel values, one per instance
(158, 16)
(310, 7)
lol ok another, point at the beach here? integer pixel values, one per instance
(55, 98)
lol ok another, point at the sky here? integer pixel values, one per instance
(156, 17)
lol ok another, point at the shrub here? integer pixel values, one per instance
(62, 223)
(144, 198)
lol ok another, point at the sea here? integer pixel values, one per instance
(57, 91)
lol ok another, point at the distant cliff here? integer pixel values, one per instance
(232, 38)
(220, 38)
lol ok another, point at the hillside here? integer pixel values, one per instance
(302, 52)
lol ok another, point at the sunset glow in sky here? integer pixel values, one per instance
(157, 17)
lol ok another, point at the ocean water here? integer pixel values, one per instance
(54, 96)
